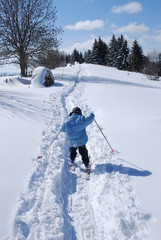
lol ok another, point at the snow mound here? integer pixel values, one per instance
(41, 75)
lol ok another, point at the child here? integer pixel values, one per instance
(75, 129)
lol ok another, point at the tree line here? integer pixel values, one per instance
(118, 54)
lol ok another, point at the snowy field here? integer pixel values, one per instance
(43, 200)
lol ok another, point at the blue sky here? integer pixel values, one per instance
(85, 20)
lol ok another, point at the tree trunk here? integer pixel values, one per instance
(23, 63)
(23, 71)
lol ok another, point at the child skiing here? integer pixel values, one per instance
(75, 129)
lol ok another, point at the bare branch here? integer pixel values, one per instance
(27, 27)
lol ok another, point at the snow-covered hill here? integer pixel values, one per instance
(41, 199)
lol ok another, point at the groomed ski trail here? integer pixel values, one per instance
(59, 204)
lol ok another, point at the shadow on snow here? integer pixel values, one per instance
(99, 80)
(109, 168)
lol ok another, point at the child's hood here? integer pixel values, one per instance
(76, 119)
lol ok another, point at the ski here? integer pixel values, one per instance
(87, 170)
(88, 173)
(72, 167)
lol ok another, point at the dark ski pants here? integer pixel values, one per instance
(83, 152)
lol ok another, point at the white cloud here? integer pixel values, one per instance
(113, 26)
(86, 25)
(150, 38)
(130, 8)
(85, 45)
(157, 38)
(80, 46)
(150, 42)
(131, 28)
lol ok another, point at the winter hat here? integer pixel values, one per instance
(76, 110)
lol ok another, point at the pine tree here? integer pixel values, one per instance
(75, 56)
(112, 52)
(87, 55)
(81, 58)
(125, 52)
(99, 52)
(102, 51)
(68, 58)
(136, 59)
(122, 53)
(93, 57)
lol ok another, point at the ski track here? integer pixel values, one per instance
(59, 204)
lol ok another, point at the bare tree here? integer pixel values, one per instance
(27, 28)
(152, 66)
(50, 59)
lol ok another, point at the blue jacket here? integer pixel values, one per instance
(75, 128)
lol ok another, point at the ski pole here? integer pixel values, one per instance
(40, 156)
(112, 150)
(131, 164)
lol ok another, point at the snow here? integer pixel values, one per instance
(38, 76)
(40, 198)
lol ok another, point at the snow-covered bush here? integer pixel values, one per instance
(42, 76)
